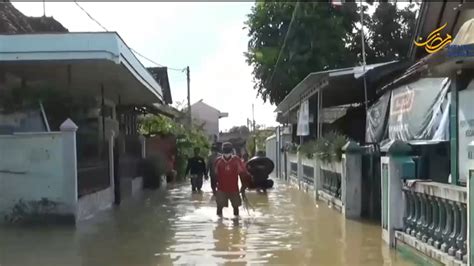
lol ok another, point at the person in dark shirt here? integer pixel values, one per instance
(197, 170)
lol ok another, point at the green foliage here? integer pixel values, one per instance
(389, 33)
(316, 41)
(186, 139)
(327, 148)
(308, 149)
(321, 37)
(293, 148)
(257, 141)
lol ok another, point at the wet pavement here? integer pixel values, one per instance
(174, 226)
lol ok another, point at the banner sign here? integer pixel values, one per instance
(419, 111)
(376, 124)
(466, 131)
(303, 120)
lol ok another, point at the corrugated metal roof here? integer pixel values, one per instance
(320, 80)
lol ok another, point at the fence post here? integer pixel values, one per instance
(299, 171)
(393, 205)
(68, 131)
(111, 159)
(316, 176)
(143, 144)
(351, 183)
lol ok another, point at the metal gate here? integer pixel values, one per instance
(371, 183)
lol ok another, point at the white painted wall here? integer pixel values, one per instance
(35, 166)
(204, 113)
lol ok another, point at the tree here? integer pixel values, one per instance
(391, 31)
(321, 37)
(242, 130)
(316, 41)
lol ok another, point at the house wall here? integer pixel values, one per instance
(31, 121)
(203, 113)
(34, 166)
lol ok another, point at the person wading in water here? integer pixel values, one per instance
(228, 168)
(197, 169)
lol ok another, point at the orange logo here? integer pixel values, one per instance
(435, 42)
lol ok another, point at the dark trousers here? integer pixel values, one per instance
(196, 182)
(214, 183)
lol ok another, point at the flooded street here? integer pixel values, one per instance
(177, 227)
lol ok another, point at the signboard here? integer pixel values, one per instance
(434, 42)
(419, 111)
(376, 123)
(466, 129)
(303, 120)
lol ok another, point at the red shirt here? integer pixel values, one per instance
(228, 172)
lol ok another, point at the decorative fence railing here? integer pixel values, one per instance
(331, 180)
(92, 169)
(436, 214)
(294, 168)
(92, 177)
(308, 174)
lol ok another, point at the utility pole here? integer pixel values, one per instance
(363, 53)
(190, 119)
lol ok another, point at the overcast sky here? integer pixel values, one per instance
(209, 37)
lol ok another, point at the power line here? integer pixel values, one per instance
(133, 50)
(285, 39)
(90, 16)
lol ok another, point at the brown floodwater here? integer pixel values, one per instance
(174, 226)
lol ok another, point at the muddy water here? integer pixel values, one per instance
(174, 226)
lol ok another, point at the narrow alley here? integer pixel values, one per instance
(176, 227)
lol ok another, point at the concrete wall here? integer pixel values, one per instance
(34, 166)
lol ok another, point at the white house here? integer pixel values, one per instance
(72, 165)
(208, 117)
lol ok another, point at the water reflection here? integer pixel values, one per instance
(178, 227)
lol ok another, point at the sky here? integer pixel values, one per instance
(208, 37)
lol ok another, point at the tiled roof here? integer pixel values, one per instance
(13, 21)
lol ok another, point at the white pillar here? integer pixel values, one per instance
(351, 183)
(143, 144)
(70, 194)
(393, 201)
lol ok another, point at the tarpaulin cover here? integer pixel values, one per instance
(419, 111)
(303, 120)
(260, 166)
(376, 123)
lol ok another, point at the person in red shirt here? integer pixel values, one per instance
(228, 168)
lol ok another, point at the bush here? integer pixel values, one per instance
(327, 148)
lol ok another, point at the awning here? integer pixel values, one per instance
(83, 62)
(340, 86)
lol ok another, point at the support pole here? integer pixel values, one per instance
(455, 85)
